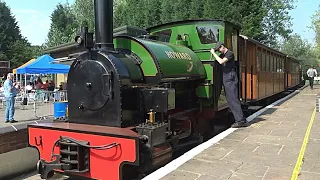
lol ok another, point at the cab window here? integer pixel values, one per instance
(164, 35)
(208, 34)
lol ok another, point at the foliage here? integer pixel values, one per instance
(166, 11)
(264, 20)
(277, 22)
(152, 14)
(120, 14)
(63, 26)
(196, 9)
(316, 27)
(13, 47)
(253, 14)
(37, 50)
(301, 50)
(83, 13)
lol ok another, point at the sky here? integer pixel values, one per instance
(33, 17)
(304, 9)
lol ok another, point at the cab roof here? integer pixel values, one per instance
(174, 23)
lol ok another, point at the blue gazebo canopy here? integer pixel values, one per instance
(44, 65)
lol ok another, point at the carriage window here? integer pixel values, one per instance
(271, 63)
(164, 35)
(292, 67)
(267, 63)
(258, 61)
(280, 65)
(274, 64)
(277, 65)
(208, 34)
(263, 64)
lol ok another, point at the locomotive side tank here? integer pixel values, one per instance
(161, 62)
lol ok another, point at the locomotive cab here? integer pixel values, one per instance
(200, 36)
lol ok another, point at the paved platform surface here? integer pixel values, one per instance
(25, 114)
(268, 149)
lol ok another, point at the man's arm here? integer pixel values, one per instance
(220, 60)
(12, 86)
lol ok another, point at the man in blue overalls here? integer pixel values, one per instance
(230, 83)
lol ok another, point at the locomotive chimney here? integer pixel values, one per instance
(103, 10)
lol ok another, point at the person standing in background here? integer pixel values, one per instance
(10, 92)
(312, 72)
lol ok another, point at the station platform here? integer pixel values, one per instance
(281, 142)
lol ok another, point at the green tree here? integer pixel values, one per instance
(213, 9)
(182, 10)
(263, 20)
(136, 13)
(37, 50)
(197, 7)
(277, 21)
(152, 14)
(302, 50)
(84, 13)
(248, 13)
(120, 14)
(295, 46)
(252, 16)
(20, 52)
(166, 11)
(13, 47)
(316, 27)
(63, 26)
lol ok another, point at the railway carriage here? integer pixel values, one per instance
(263, 71)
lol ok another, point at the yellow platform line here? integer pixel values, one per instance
(297, 167)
